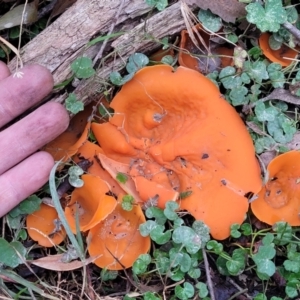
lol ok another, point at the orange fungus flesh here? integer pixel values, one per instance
(67, 144)
(173, 128)
(89, 203)
(195, 57)
(43, 226)
(279, 199)
(117, 239)
(91, 151)
(276, 56)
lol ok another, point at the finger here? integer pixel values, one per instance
(4, 70)
(18, 94)
(23, 180)
(31, 133)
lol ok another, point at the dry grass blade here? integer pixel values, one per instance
(190, 20)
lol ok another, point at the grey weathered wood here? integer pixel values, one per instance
(67, 37)
(65, 40)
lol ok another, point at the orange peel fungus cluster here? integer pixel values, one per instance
(171, 133)
(174, 138)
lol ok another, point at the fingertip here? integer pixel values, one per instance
(39, 76)
(56, 114)
(24, 179)
(4, 70)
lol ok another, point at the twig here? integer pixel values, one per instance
(277, 94)
(292, 29)
(240, 290)
(209, 281)
(100, 53)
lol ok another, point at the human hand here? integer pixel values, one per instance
(22, 169)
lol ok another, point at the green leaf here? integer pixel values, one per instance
(147, 227)
(221, 265)
(292, 14)
(273, 43)
(203, 291)
(202, 230)
(264, 143)
(141, 264)
(158, 235)
(150, 296)
(176, 275)
(255, 52)
(237, 262)
(246, 229)
(263, 261)
(74, 172)
(267, 18)
(28, 206)
(180, 258)
(282, 129)
(159, 4)
(116, 78)
(291, 288)
(276, 76)
(170, 210)
(268, 239)
(234, 231)
(136, 61)
(157, 213)
(186, 292)
(237, 96)
(168, 60)
(260, 297)
(185, 194)
(107, 275)
(229, 79)
(8, 253)
(127, 202)
(73, 105)
(162, 262)
(284, 233)
(265, 114)
(256, 70)
(210, 20)
(188, 237)
(14, 222)
(215, 246)
(194, 273)
(103, 38)
(121, 177)
(83, 67)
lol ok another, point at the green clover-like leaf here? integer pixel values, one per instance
(210, 20)
(74, 105)
(267, 18)
(83, 67)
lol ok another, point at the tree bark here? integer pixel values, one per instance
(65, 39)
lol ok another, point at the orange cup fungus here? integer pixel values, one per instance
(276, 56)
(67, 144)
(279, 199)
(91, 151)
(174, 133)
(117, 239)
(89, 203)
(222, 55)
(41, 226)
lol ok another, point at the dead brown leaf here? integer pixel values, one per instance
(228, 10)
(54, 263)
